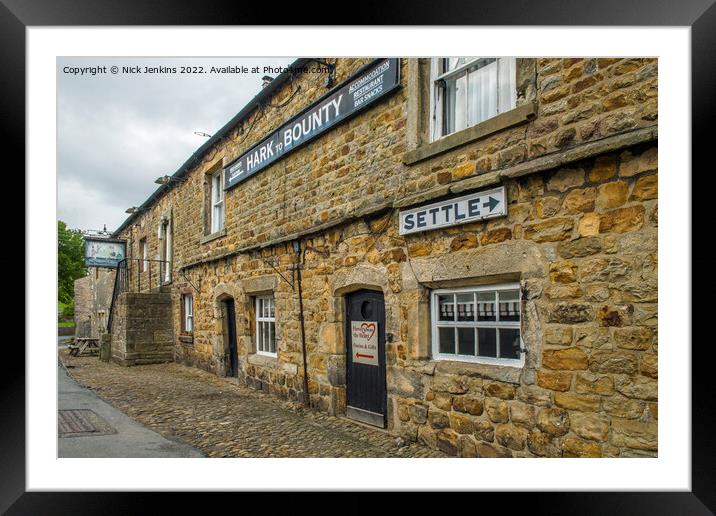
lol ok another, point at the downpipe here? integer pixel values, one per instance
(299, 266)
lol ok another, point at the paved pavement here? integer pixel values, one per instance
(128, 438)
(224, 419)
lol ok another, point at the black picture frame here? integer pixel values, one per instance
(699, 15)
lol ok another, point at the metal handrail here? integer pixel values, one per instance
(114, 298)
(127, 270)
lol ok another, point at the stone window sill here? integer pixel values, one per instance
(208, 238)
(186, 339)
(263, 360)
(519, 115)
(501, 373)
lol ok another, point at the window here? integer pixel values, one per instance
(217, 202)
(469, 90)
(478, 324)
(165, 250)
(102, 321)
(187, 313)
(265, 326)
(144, 250)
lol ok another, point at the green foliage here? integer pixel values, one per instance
(70, 261)
(67, 310)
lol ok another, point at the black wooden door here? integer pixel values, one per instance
(231, 335)
(365, 360)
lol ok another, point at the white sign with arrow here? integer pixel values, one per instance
(452, 212)
(364, 342)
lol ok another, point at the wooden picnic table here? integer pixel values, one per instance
(85, 345)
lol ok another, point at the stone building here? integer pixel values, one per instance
(463, 251)
(93, 296)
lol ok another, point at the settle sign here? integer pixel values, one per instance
(357, 93)
(451, 212)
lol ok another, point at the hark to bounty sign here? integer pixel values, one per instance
(363, 89)
(364, 342)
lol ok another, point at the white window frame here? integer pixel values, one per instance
(165, 254)
(188, 301)
(260, 321)
(218, 212)
(505, 66)
(145, 254)
(436, 323)
(102, 320)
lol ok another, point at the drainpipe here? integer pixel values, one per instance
(297, 250)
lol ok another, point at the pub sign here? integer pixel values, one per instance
(360, 91)
(102, 252)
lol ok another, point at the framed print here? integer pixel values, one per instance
(378, 252)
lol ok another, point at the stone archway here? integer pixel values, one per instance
(332, 334)
(226, 329)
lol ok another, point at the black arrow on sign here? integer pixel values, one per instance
(491, 203)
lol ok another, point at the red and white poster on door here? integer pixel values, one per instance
(364, 338)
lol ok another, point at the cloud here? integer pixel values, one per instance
(117, 133)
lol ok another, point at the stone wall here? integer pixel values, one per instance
(103, 289)
(142, 329)
(580, 170)
(93, 297)
(583, 240)
(84, 306)
(577, 101)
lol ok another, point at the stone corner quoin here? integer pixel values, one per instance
(577, 245)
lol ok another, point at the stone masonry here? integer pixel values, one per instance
(578, 159)
(84, 308)
(93, 297)
(142, 330)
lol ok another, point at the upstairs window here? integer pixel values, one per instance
(217, 202)
(478, 324)
(144, 250)
(165, 249)
(469, 90)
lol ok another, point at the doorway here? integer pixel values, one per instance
(365, 357)
(232, 357)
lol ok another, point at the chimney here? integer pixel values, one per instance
(266, 80)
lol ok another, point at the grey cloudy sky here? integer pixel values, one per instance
(117, 133)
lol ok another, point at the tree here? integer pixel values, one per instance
(70, 261)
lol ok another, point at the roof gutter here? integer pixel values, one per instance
(259, 99)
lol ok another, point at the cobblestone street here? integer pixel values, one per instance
(223, 419)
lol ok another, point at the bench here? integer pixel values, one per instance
(84, 345)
